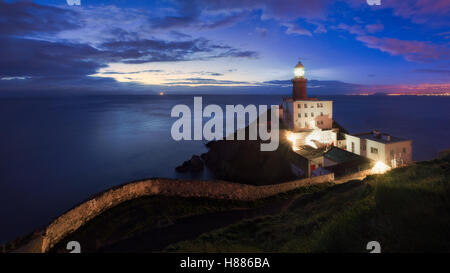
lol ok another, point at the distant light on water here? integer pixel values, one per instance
(161, 93)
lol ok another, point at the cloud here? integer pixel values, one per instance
(296, 30)
(37, 58)
(262, 32)
(411, 50)
(132, 72)
(355, 29)
(420, 11)
(19, 18)
(416, 51)
(320, 29)
(434, 71)
(207, 73)
(208, 81)
(374, 28)
(281, 10)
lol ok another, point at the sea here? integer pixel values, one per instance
(57, 151)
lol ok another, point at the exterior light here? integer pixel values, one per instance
(299, 72)
(291, 137)
(380, 167)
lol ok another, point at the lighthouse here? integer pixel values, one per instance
(299, 83)
(301, 113)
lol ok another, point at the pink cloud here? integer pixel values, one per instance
(374, 28)
(417, 51)
(296, 29)
(420, 11)
(355, 29)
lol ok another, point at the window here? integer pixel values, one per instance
(299, 115)
(353, 147)
(312, 105)
(321, 113)
(321, 105)
(404, 150)
(306, 115)
(373, 150)
(312, 114)
(363, 147)
(392, 153)
(306, 105)
(299, 105)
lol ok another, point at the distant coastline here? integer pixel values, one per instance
(443, 94)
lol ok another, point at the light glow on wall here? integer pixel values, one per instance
(291, 137)
(315, 135)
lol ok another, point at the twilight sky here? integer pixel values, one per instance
(223, 46)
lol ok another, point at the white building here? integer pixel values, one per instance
(392, 151)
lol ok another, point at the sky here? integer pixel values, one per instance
(223, 46)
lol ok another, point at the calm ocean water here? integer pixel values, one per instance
(56, 152)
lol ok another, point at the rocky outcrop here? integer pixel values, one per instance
(195, 164)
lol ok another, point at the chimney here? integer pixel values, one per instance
(376, 133)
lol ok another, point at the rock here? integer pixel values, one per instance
(195, 164)
(183, 168)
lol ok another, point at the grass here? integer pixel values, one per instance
(406, 210)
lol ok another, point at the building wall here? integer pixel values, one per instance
(316, 114)
(365, 147)
(287, 114)
(353, 144)
(398, 153)
(375, 150)
(390, 153)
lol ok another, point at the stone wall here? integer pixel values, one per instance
(358, 175)
(79, 215)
